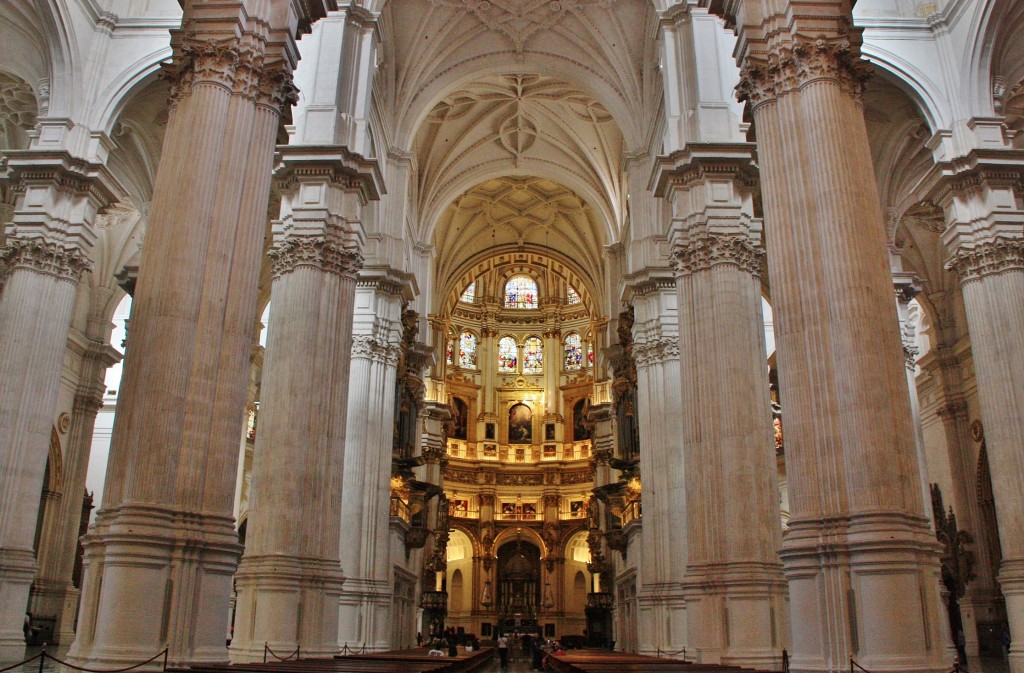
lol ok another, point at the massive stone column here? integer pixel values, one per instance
(860, 557)
(985, 236)
(45, 252)
(364, 619)
(734, 586)
(53, 593)
(289, 580)
(160, 559)
(661, 607)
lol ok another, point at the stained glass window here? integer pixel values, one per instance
(508, 355)
(450, 349)
(573, 351)
(590, 354)
(520, 292)
(572, 297)
(533, 356)
(467, 350)
(469, 294)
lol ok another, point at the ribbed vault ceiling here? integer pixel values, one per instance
(510, 213)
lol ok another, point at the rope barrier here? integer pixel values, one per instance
(672, 654)
(20, 663)
(44, 655)
(266, 650)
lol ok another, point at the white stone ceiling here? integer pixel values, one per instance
(519, 125)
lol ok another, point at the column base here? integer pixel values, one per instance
(57, 601)
(286, 603)
(867, 587)
(1011, 581)
(155, 578)
(364, 610)
(736, 614)
(17, 566)
(663, 619)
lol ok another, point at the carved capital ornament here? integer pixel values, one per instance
(314, 252)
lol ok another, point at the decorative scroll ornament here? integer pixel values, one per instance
(988, 258)
(703, 252)
(236, 65)
(292, 253)
(791, 68)
(45, 257)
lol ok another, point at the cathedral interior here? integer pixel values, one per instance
(661, 326)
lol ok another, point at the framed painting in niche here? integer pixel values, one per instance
(520, 424)
(550, 451)
(489, 431)
(490, 450)
(549, 432)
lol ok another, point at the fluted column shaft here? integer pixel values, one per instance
(46, 251)
(165, 542)
(734, 585)
(861, 560)
(53, 593)
(290, 577)
(985, 234)
(661, 608)
(366, 595)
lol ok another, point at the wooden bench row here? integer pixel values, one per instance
(398, 661)
(601, 661)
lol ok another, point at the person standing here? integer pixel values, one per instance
(503, 651)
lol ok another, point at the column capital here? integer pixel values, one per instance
(372, 348)
(655, 352)
(987, 258)
(315, 252)
(703, 251)
(238, 65)
(790, 67)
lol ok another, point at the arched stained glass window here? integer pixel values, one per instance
(449, 354)
(533, 356)
(573, 352)
(469, 294)
(572, 297)
(508, 355)
(590, 354)
(467, 350)
(521, 292)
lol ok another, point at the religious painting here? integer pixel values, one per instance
(579, 426)
(449, 353)
(577, 509)
(521, 455)
(461, 420)
(590, 354)
(549, 432)
(508, 509)
(529, 510)
(459, 507)
(489, 431)
(490, 450)
(520, 424)
(550, 451)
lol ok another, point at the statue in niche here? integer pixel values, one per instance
(461, 418)
(520, 424)
(580, 431)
